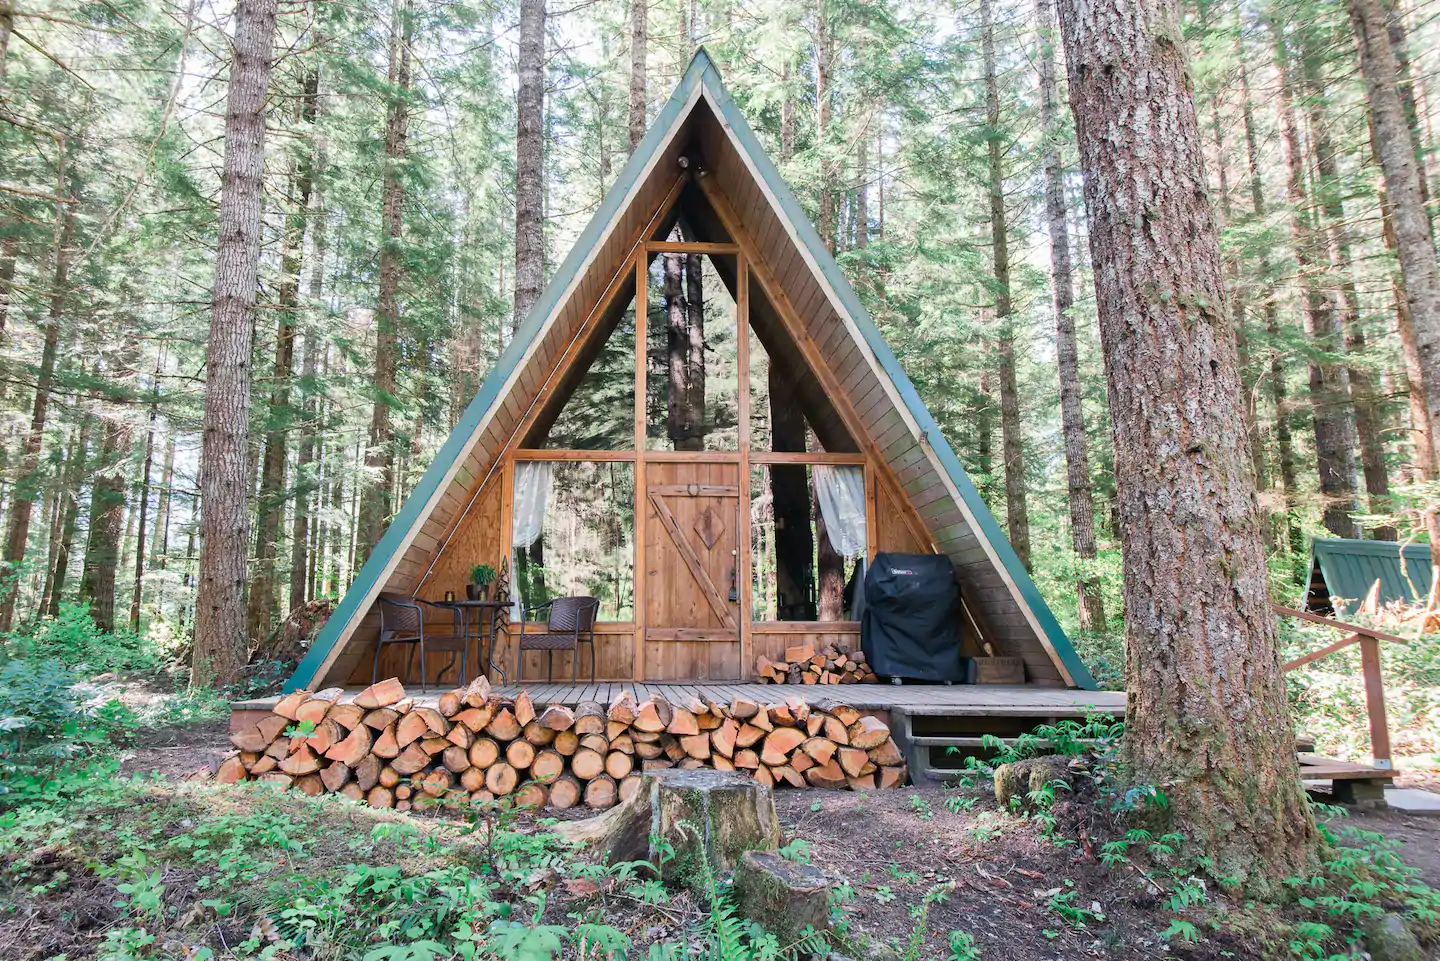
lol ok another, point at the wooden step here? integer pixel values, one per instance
(1317, 767)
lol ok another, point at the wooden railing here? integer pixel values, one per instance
(1369, 640)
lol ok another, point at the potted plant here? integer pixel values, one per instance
(481, 576)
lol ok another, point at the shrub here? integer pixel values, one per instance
(73, 639)
(49, 719)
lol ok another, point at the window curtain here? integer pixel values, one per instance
(841, 491)
(532, 494)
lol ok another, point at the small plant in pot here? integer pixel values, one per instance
(481, 576)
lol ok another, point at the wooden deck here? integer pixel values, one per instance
(961, 700)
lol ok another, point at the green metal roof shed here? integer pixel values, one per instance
(1342, 573)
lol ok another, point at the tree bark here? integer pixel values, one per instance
(305, 466)
(529, 160)
(27, 484)
(824, 107)
(67, 520)
(1072, 416)
(1413, 240)
(220, 642)
(1329, 385)
(1207, 716)
(377, 500)
(638, 42)
(107, 522)
(862, 193)
(791, 504)
(1017, 517)
(160, 543)
(1369, 426)
(695, 424)
(142, 505)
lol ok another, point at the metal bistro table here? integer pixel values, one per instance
(497, 609)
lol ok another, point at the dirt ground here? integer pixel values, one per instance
(992, 876)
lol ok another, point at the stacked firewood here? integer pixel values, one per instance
(805, 665)
(385, 748)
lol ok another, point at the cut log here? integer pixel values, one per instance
(450, 702)
(281, 781)
(316, 705)
(411, 728)
(781, 715)
(484, 752)
(231, 770)
(435, 783)
(836, 730)
(622, 708)
(657, 764)
(403, 705)
(353, 791)
(504, 726)
(354, 748)
(547, 765)
(474, 719)
(887, 754)
(746, 759)
(335, 776)
(721, 763)
(868, 732)
(618, 764)
(389, 777)
(367, 772)
(763, 776)
(472, 779)
(258, 736)
(682, 722)
(414, 758)
(587, 764)
(589, 718)
(531, 795)
(477, 693)
(845, 714)
(434, 745)
(300, 763)
(383, 694)
(762, 721)
(566, 742)
(557, 717)
(380, 718)
(601, 792)
(866, 783)
(625, 744)
(524, 708)
(853, 761)
(647, 750)
(779, 743)
(672, 748)
(434, 720)
(455, 759)
(460, 736)
(653, 716)
(630, 786)
(595, 742)
(310, 785)
(722, 738)
(501, 779)
(520, 754)
(800, 652)
(696, 746)
(380, 797)
(748, 735)
(821, 749)
(325, 736)
(263, 765)
(785, 898)
(787, 775)
(801, 761)
(538, 734)
(565, 793)
(288, 706)
(892, 776)
(347, 716)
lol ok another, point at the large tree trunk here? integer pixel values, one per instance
(1072, 416)
(306, 485)
(1017, 516)
(1413, 242)
(142, 506)
(695, 425)
(107, 522)
(220, 642)
(377, 499)
(791, 504)
(1284, 442)
(1369, 426)
(529, 160)
(27, 484)
(862, 193)
(638, 41)
(824, 107)
(1207, 716)
(160, 542)
(67, 521)
(1329, 385)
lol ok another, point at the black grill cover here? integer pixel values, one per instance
(911, 623)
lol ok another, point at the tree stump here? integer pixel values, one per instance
(720, 813)
(781, 896)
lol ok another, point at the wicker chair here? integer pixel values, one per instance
(569, 621)
(402, 621)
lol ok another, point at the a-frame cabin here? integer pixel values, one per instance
(695, 368)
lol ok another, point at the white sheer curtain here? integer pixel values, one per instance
(532, 493)
(842, 503)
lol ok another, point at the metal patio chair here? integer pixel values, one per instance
(569, 622)
(402, 621)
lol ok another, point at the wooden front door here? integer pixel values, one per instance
(692, 570)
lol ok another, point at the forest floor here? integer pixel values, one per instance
(1017, 893)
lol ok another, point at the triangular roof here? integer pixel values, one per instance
(701, 113)
(1350, 568)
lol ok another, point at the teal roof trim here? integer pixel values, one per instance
(454, 446)
(701, 71)
(989, 528)
(1350, 567)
